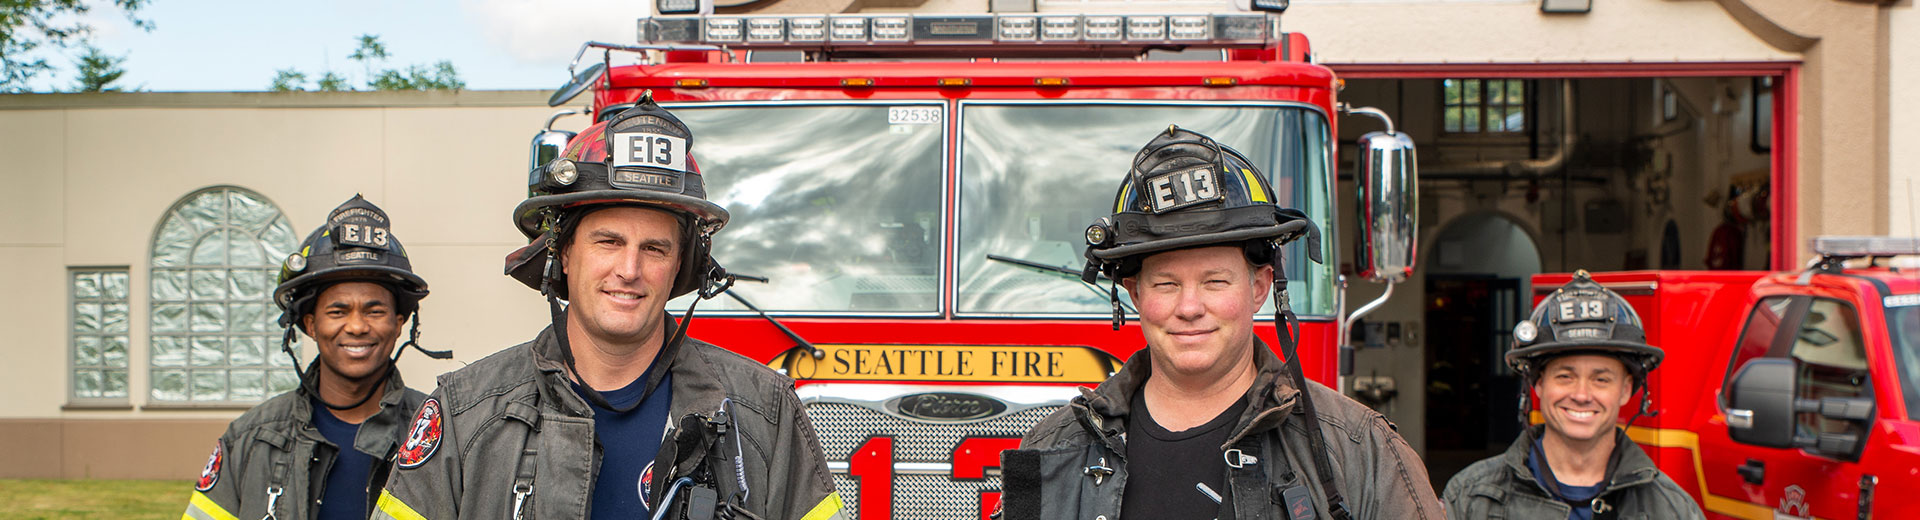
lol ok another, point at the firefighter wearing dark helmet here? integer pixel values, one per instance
(1585, 354)
(570, 424)
(1207, 422)
(316, 451)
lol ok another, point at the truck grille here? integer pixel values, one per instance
(842, 427)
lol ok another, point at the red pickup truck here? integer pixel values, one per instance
(1786, 395)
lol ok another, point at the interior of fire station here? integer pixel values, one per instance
(1519, 176)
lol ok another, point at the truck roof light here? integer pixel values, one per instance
(1050, 82)
(987, 35)
(1103, 28)
(955, 82)
(723, 30)
(849, 29)
(856, 82)
(766, 29)
(1864, 246)
(1219, 81)
(807, 29)
(1189, 28)
(1146, 27)
(890, 29)
(690, 83)
(1018, 28)
(1059, 28)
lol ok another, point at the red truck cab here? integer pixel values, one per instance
(910, 196)
(1786, 395)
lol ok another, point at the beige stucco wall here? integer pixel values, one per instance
(90, 177)
(1903, 158)
(1515, 31)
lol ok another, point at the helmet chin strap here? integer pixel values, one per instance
(310, 376)
(709, 287)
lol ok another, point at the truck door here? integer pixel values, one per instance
(1823, 338)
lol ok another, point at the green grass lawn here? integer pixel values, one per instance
(48, 499)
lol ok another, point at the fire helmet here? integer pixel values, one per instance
(639, 157)
(356, 244)
(1582, 317)
(1186, 190)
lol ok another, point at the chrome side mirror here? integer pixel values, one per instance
(1386, 179)
(549, 143)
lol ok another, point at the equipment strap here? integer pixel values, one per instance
(1287, 328)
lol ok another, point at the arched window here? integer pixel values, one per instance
(213, 335)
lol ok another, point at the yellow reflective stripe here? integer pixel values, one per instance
(207, 508)
(829, 507)
(1120, 204)
(1254, 192)
(391, 507)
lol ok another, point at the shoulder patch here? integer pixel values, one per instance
(210, 474)
(423, 437)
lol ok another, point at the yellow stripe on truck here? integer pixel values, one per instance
(390, 507)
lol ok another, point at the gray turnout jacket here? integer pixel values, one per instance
(273, 461)
(1503, 487)
(508, 435)
(1073, 465)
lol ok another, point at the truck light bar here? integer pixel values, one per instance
(976, 33)
(1865, 246)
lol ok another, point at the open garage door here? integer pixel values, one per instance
(1603, 169)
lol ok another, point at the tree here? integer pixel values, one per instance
(331, 82)
(369, 51)
(27, 26)
(97, 70)
(442, 76)
(289, 80)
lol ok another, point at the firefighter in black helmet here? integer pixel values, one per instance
(1206, 421)
(1585, 353)
(314, 452)
(570, 424)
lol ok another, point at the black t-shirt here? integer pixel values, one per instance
(1164, 468)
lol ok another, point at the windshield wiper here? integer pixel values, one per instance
(798, 342)
(1070, 273)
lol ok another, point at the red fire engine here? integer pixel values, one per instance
(1785, 395)
(910, 194)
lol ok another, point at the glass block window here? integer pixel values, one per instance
(214, 338)
(99, 335)
(1484, 106)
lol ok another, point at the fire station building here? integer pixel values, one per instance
(147, 228)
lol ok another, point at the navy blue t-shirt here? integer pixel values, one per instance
(1570, 493)
(345, 497)
(628, 443)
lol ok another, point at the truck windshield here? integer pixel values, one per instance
(1034, 175)
(1903, 325)
(838, 205)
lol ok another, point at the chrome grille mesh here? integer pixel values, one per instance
(843, 427)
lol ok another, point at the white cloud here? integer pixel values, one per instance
(545, 33)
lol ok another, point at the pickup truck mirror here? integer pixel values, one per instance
(1387, 183)
(1760, 406)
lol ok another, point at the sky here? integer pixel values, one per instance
(204, 45)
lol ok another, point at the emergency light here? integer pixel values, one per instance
(971, 32)
(1865, 246)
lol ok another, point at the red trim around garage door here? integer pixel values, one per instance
(1786, 114)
